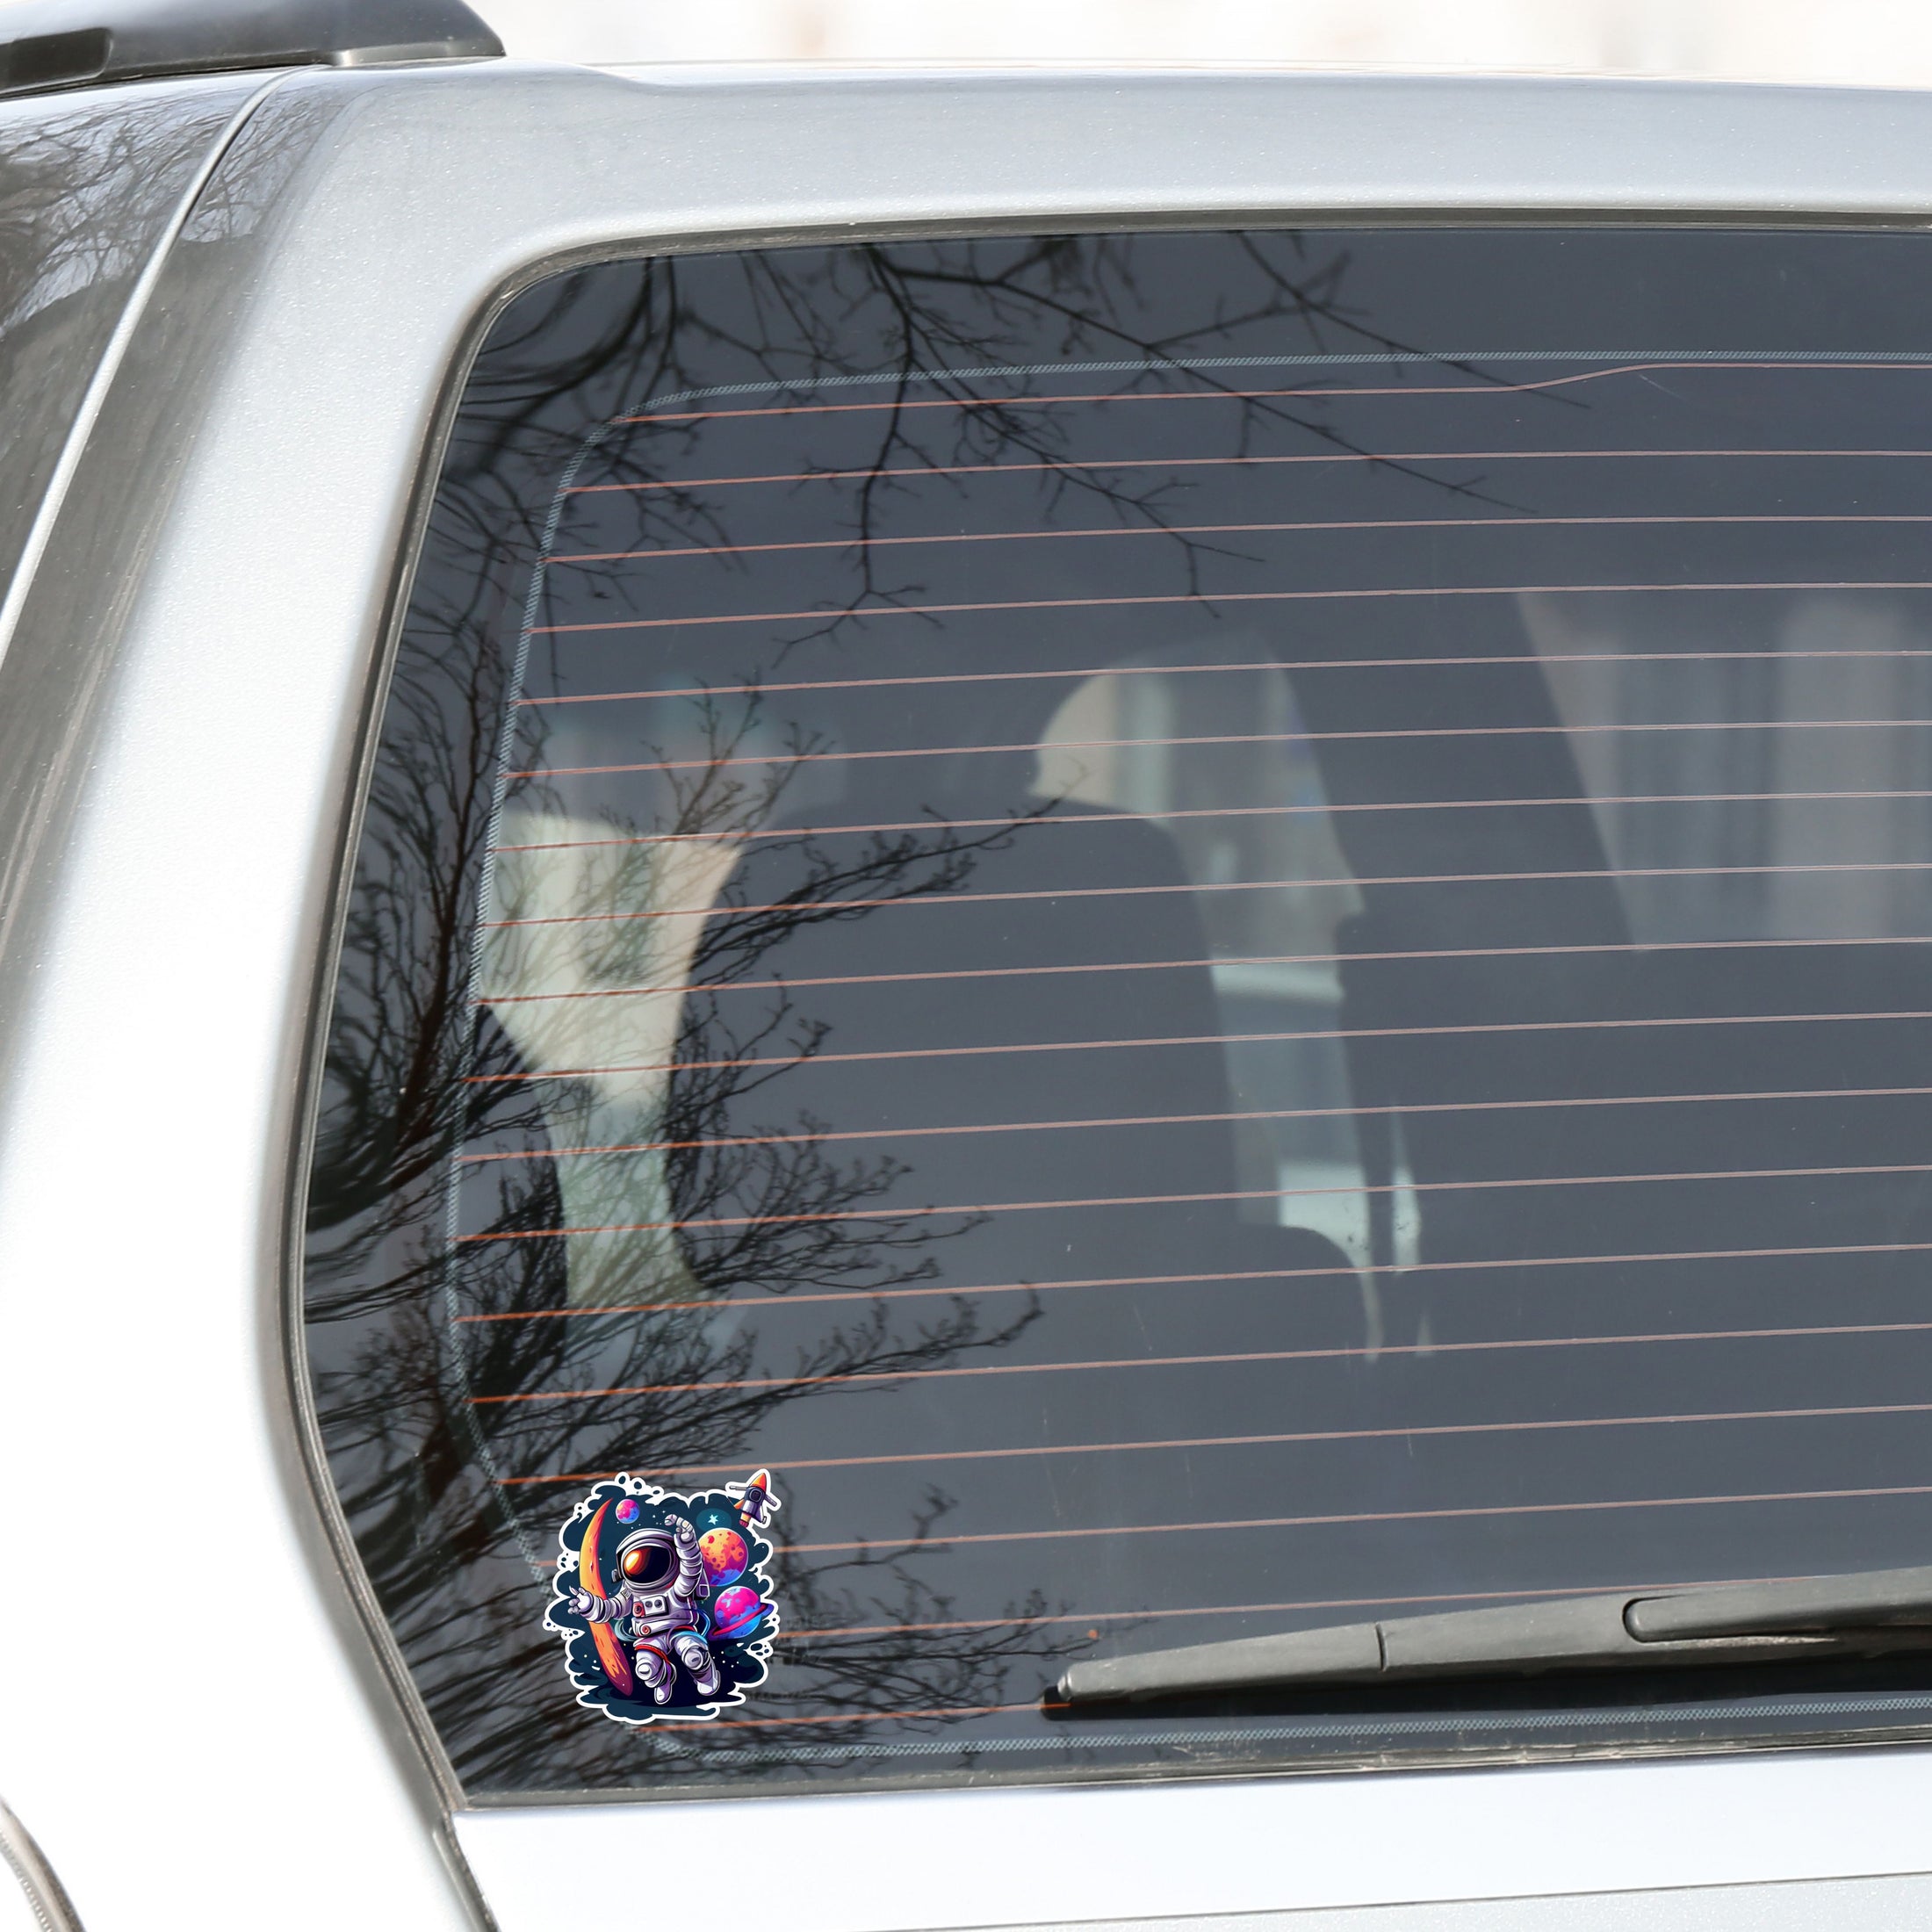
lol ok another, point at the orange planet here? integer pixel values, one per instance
(725, 1556)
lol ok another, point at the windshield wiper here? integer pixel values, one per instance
(1866, 1613)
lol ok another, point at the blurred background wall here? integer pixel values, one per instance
(1859, 42)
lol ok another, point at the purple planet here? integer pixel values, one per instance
(627, 1510)
(737, 1613)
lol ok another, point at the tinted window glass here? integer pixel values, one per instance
(1214, 932)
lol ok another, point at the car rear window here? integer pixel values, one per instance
(1110, 941)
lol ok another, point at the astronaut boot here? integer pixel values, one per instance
(654, 1672)
(695, 1655)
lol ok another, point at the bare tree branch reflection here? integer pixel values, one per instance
(565, 1178)
(84, 190)
(442, 1481)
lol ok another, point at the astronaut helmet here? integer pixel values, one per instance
(647, 1560)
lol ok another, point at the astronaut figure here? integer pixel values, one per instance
(655, 1607)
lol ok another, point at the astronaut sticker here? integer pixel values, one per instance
(662, 1601)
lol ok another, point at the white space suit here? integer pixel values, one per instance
(661, 1582)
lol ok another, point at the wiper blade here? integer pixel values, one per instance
(1863, 1614)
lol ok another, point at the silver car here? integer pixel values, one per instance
(1002, 997)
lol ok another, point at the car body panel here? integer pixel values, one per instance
(188, 697)
(1319, 1845)
(89, 188)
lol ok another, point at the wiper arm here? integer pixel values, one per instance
(1862, 1614)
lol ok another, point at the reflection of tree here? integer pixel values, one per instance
(426, 1455)
(84, 190)
(931, 323)
(647, 1353)
(658, 1040)
(761, 1187)
(80, 189)
(1086, 290)
(863, 1640)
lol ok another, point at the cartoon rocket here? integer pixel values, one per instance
(755, 1499)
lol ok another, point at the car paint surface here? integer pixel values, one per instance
(184, 713)
(90, 188)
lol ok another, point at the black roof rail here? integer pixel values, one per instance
(78, 43)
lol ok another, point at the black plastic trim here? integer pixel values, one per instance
(77, 43)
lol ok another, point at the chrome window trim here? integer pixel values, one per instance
(359, 237)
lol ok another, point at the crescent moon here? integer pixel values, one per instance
(610, 1654)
